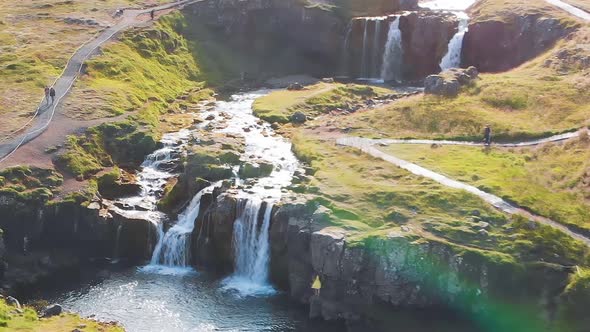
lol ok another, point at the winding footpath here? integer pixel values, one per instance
(45, 113)
(571, 9)
(368, 146)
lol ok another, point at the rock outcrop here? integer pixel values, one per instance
(397, 270)
(425, 39)
(450, 82)
(284, 36)
(509, 38)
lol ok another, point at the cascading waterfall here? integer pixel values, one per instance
(251, 249)
(173, 248)
(375, 72)
(453, 57)
(364, 58)
(393, 55)
(345, 47)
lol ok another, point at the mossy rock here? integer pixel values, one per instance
(256, 170)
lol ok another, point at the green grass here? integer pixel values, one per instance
(575, 301)
(35, 44)
(371, 198)
(551, 180)
(27, 320)
(534, 100)
(29, 184)
(313, 100)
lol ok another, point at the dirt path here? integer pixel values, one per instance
(571, 9)
(46, 114)
(368, 146)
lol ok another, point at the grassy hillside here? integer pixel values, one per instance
(508, 10)
(150, 72)
(314, 100)
(13, 319)
(36, 41)
(545, 96)
(551, 180)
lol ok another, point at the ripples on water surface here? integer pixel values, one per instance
(174, 299)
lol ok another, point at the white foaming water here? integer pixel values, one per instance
(173, 248)
(364, 57)
(452, 5)
(453, 57)
(153, 178)
(375, 68)
(251, 250)
(251, 245)
(393, 55)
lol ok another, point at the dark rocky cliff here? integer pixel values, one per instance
(499, 39)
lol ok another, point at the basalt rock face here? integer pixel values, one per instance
(368, 279)
(494, 46)
(425, 39)
(372, 7)
(212, 237)
(92, 229)
(285, 35)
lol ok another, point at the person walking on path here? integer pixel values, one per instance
(487, 135)
(316, 286)
(152, 14)
(52, 95)
(46, 95)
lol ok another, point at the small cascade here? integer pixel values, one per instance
(393, 55)
(251, 249)
(173, 248)
(364, 56)
(345, 54)
(117, 242)
(453, 57)
(376, 54)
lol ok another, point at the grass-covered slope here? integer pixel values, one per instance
(552, 180)
(27, 320)
(314, 100)
(545, 96)
(36, 40)
(150, 75)
(372, 198)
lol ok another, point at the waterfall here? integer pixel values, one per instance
(117, 241)
(173, 248)
(376, 47)
(364, 60)
(453, 57)
(345, 51)
(251, 249)
(393, 54)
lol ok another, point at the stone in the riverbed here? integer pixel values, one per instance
(295, 87)
(298, 117)
(52, 310)
(258, 169)
(13, 302)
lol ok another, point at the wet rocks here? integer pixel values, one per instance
(295, 87)
(137, 235)
(213, 237)
(298, 117)
(258, 169)
(52, 310)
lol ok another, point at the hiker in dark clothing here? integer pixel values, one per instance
(487, 135)
(52, 95)
(46, 95)
(152, 14)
